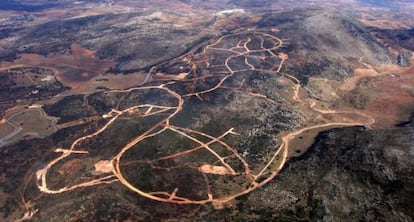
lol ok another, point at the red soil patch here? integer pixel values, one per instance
(79, 70)
(394, 96)
(351, 82)
(391, 92)
(82, 65)
(386, 19)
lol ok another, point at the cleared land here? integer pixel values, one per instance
(209, 160)
(26, 123)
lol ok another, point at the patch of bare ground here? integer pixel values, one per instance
(103, 166)
(383, 23)
(394, 99)
(24, 122)
(359, 74)
(387, 92)
(386, 20)
(81, 70)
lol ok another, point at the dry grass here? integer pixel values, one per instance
(33, 121)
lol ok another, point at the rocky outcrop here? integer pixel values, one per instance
(403, 58)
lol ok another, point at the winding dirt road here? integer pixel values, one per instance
(268, 171)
